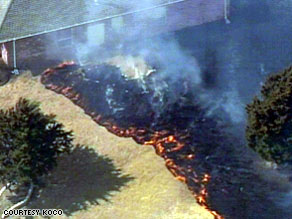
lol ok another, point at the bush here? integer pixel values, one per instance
(269, 128)
(30, 143)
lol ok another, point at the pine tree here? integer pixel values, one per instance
(30, 143)
(269, 130)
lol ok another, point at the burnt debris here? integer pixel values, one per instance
(217, 168)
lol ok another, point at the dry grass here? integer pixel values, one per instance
(148, 191)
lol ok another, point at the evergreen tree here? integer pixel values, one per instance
(269, 130)
(30, 143)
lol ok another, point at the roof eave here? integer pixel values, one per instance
(6, 5)
(92, 21)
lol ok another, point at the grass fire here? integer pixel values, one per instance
(172, 108)
(168, 140)
(192, 144)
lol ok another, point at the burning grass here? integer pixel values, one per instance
(152, 193)
(217, 168)
(166, 142)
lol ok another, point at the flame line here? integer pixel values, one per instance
(158, 139)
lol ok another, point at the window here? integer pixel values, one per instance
(80, 34)
(64, 38)
(96, 34)
(117, 23)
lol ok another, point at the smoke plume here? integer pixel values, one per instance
(224, 65)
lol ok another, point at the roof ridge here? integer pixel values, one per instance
(4, 7)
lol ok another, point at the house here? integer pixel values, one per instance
(35, 30)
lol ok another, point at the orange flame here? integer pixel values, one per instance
(174, 169)
(206, 178)
(158, 140)
(171, 138)
(190, 156)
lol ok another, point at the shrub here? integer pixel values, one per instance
(30, 143)
(269, 128)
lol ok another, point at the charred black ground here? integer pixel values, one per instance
(235, 190)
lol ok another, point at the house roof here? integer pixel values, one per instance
(4, 6)
(26, 18)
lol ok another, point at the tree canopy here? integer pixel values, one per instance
(269, 129)
(30, 143)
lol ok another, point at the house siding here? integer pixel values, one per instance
(40, 52)
(178, 16)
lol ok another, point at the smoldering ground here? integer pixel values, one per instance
(224, 66)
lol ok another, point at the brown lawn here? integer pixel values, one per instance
(114, 179)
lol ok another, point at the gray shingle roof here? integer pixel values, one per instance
(32, 17)
(4, 6)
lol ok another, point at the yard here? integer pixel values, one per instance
(111, 177)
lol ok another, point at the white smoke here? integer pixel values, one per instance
(229, 102)
(251, 50)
